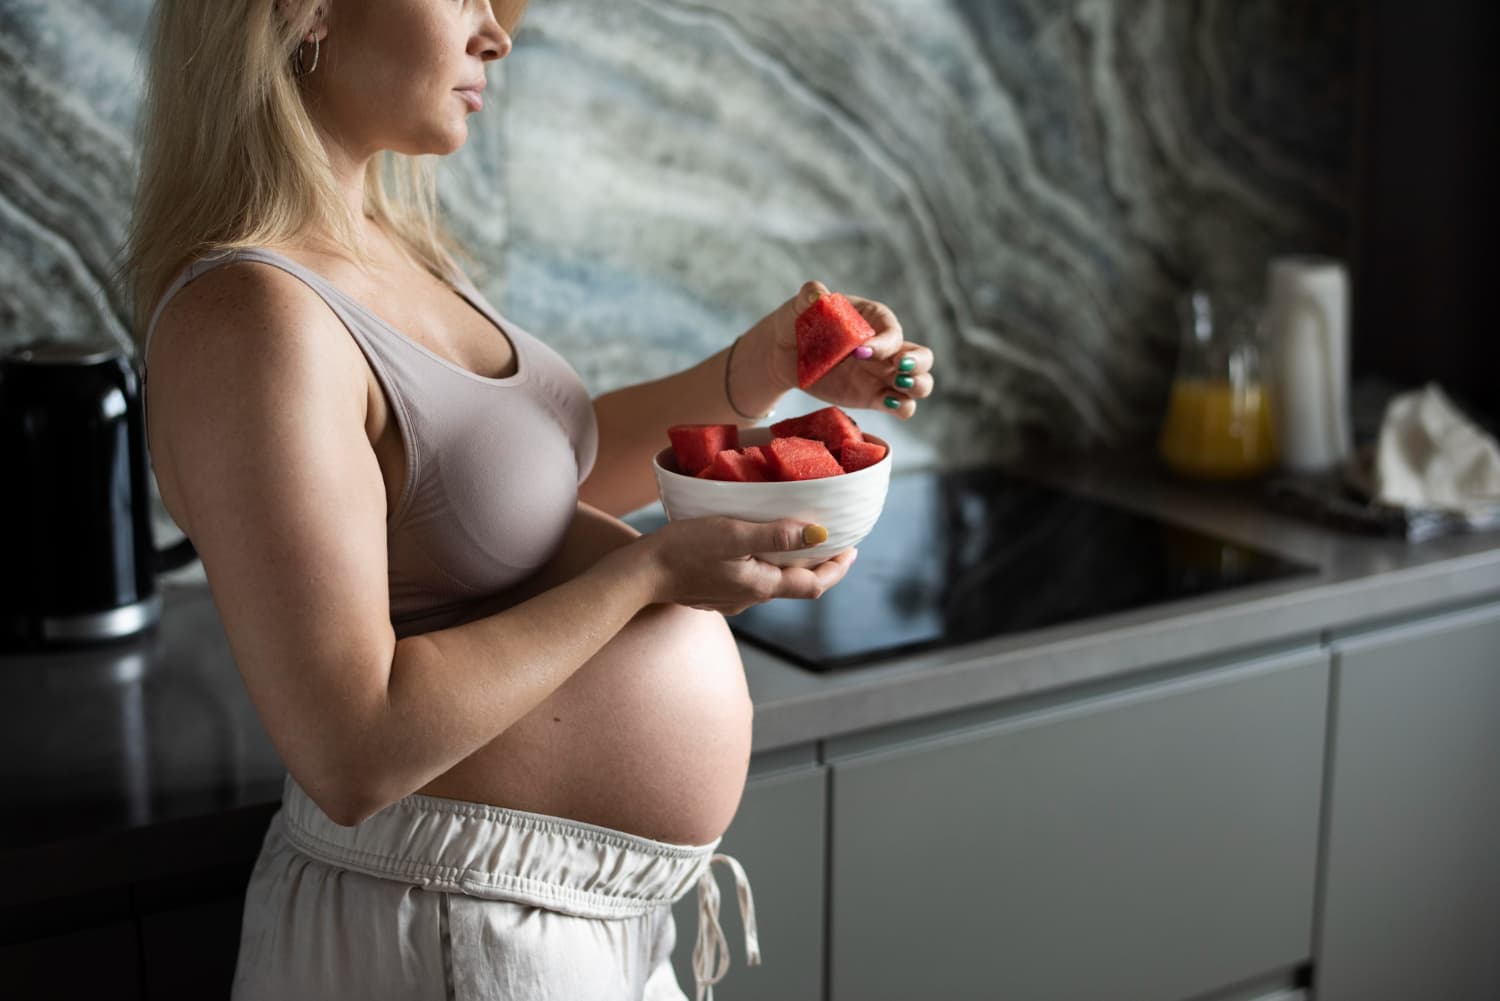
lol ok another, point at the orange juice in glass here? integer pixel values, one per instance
(1218, 424)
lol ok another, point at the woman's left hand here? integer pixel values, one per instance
(895, 374)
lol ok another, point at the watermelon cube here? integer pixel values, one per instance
(732, 465)
(830, 425)
(859, 454)
(801, 459)
(827, 331)
(757, 455)
(695, 445)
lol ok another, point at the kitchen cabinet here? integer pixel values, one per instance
(778, 836)
(96, 962)
(1155, 843)
(1411, 883)
(190, 952)
(73, 945)
(190, 932)
(157, 939)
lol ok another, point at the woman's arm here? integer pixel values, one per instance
(886, 373)
(633, 421)
(258, 400)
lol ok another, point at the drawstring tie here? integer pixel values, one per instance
(711, 951)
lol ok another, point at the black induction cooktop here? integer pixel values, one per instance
(969, 554)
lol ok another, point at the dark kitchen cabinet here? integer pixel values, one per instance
(101, 962)
(163, 939)
(1411, 883)
(1152, 844)
(190, 933)
(190, 952)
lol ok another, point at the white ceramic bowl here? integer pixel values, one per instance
(847, 505)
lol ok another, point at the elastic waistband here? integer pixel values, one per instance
(501, 854)
(553, 862)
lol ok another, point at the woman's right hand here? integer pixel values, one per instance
(706, 563)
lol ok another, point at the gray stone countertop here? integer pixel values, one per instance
(1360, 580)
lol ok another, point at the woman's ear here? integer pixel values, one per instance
(319, 29)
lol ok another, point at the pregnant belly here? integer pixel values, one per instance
(650, 736)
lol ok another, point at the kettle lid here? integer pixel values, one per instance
(56, 352)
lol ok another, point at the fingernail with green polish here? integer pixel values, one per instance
(908, 363)
(892, 402)
(905, 382)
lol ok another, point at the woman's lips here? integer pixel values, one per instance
(472, 97)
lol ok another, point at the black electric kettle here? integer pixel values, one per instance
(78, 564)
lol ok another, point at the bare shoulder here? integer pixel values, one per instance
(242, 339)
(247, 313)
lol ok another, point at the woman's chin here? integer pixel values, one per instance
(452, 140)
(448, 138)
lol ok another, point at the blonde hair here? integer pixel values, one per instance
(230, 157)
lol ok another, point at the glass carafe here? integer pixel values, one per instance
(1218, 424)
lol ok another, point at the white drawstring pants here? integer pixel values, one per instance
(451, 901)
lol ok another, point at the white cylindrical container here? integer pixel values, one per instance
(1307, 312)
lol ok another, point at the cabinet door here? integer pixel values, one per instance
(190, 953)
(98, 962)
(190, 931)
(1153, 844)
(1412, 881)
(777, 836)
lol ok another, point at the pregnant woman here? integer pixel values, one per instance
(514, 728)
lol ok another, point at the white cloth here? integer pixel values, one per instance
(436, 899)
(1430, 456)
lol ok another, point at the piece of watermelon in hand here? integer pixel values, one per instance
(830, 425)
(695, 445)
(859, 454)
(736, 466)
(801, 459)
(826, 332)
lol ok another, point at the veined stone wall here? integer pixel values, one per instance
(1028, 183)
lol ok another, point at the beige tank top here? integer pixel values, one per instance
(493, 465)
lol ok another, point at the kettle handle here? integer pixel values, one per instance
(182, 552)
(176, 556)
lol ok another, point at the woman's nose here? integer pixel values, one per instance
(489, 46)
(491, 41)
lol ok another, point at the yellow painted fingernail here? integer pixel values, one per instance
(814, 535)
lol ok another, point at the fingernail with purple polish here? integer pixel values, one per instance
(863, 351)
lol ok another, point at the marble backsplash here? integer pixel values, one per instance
(1028, 183)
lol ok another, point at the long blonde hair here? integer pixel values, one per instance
(230, 157)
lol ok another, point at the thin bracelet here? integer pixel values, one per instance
(727, 362)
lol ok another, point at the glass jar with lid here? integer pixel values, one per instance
(1219, 424)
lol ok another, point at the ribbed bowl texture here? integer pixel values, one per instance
(847, 505)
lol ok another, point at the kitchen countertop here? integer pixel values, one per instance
(146, 758)
(1360, 579)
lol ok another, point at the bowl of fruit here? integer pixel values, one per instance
(820, 467)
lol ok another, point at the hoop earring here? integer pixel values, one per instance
(299, 64)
